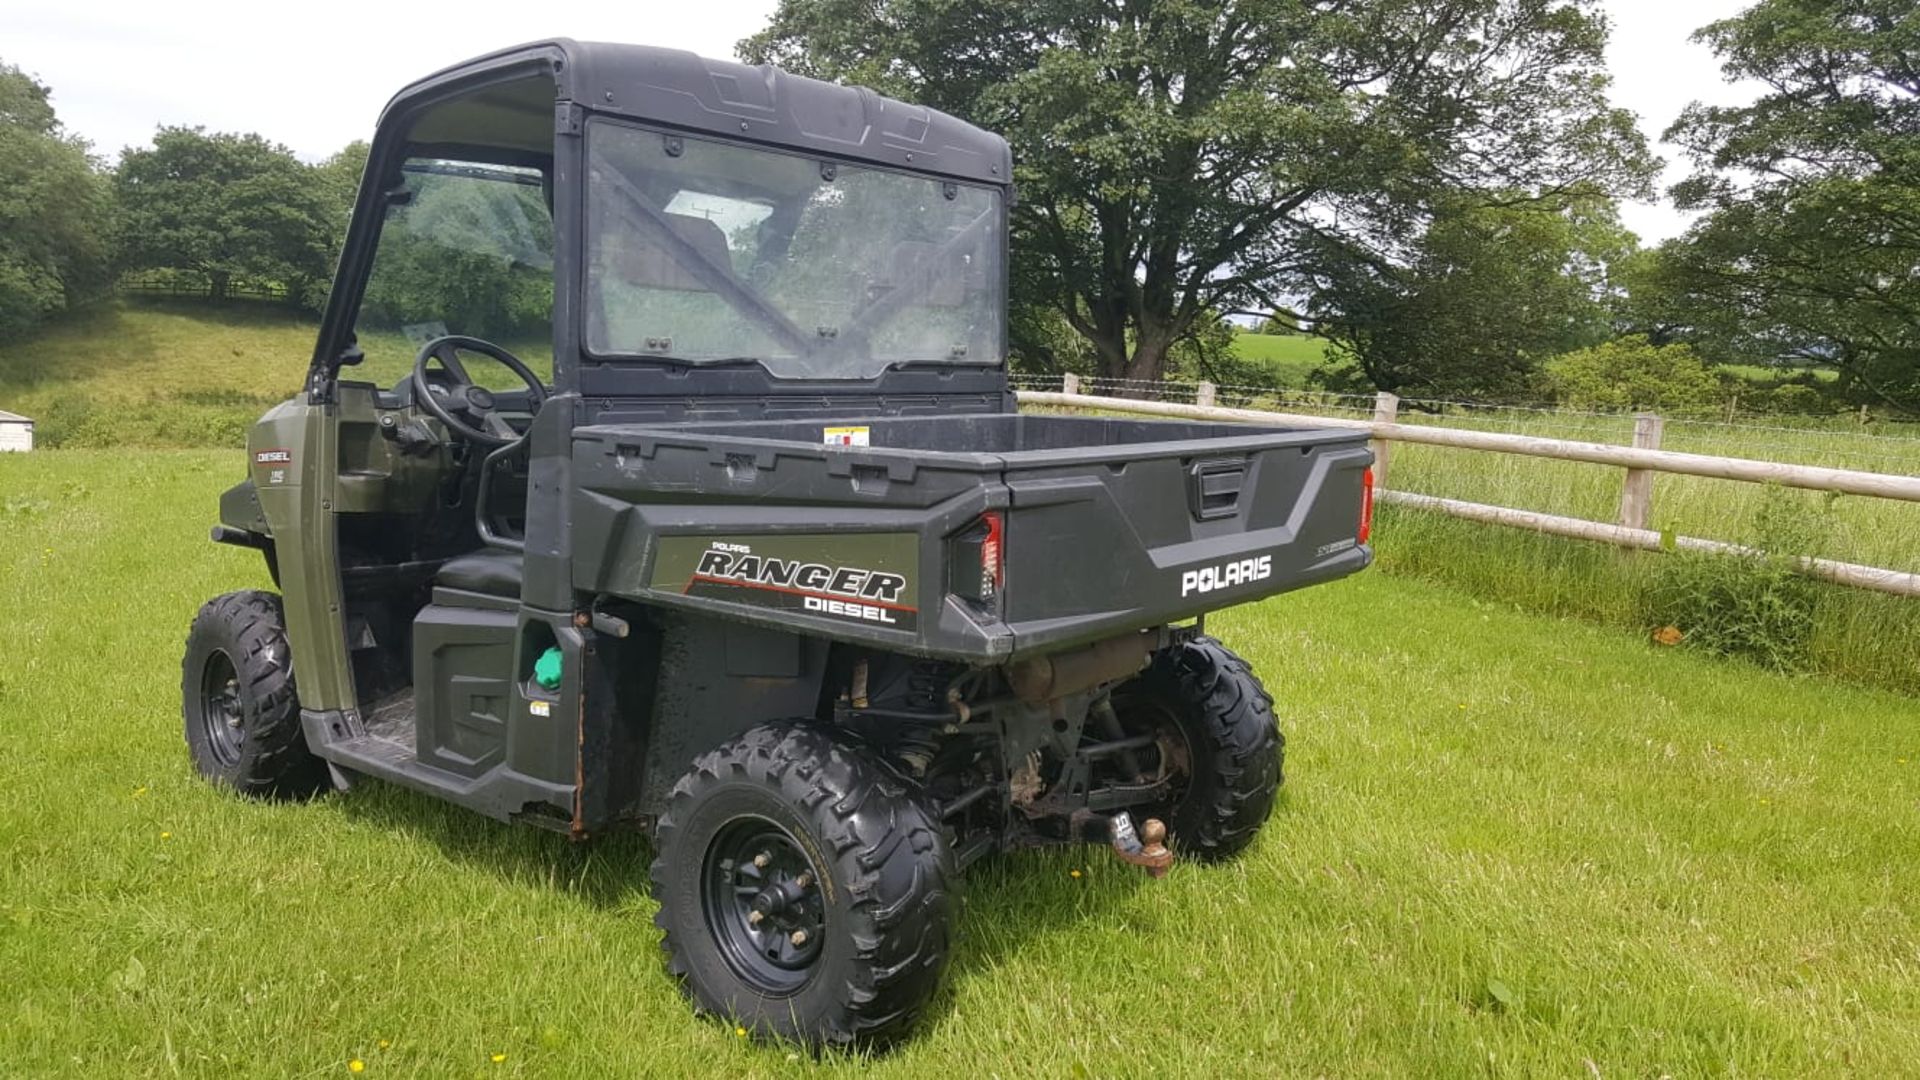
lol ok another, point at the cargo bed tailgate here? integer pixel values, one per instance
(1108, 538)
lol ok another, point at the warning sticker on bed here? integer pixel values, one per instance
(846, 436)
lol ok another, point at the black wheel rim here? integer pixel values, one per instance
(763, 905)
(222, 714)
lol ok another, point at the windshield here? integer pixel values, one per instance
(702, 251)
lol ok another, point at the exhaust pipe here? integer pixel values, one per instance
(1044, 678)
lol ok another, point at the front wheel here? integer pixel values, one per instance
(804, 889)
(1217, 740)
(237, 700)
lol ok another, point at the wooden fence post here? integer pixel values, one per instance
(1069, 383)
(1203, 394)
(1386, 407)
(1636, 496)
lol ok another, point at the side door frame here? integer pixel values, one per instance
(301, 513)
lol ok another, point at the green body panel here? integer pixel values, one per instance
(240, 509)
(291, 453)
(859, 577)
(374, 476)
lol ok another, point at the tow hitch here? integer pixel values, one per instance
(1146, 848)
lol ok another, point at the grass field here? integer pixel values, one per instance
(1288, 358)
(1509, 845)
(1756, 373)
(1865, 635)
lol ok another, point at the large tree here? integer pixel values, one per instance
(1179, 159)
(1490, 291)
(54, 206)
(226, 206)
(1810, 245)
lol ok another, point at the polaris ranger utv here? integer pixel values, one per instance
(767, 563)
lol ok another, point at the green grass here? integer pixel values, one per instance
(1863, 635)
(1759, 374)
(1288, 358)
(1509, 845)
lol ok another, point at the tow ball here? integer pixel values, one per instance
(1145, 848)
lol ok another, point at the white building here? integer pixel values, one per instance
(16, 432)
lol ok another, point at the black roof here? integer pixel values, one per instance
(676, 88)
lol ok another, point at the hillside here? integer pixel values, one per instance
(129, 374)
(182, 375)
(1288, 358)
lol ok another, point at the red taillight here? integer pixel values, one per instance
(993, 563)
(978, 555)
(1366, 505)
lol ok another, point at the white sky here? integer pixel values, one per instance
(1656, 72)
(315, 77)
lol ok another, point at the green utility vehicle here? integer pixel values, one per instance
(743, 542)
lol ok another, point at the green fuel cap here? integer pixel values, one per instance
(546, 670)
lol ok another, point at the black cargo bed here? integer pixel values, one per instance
(1110, 523)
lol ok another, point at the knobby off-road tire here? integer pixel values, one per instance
(1232, 744)
(877, 914)
(237, 700)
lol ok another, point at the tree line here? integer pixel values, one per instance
(219, 207)
(1430, 185)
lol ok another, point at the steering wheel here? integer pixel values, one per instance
(466, 397)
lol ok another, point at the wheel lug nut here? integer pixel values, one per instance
(754, 918)
(761, 860)
(804, 880)
(799, 937)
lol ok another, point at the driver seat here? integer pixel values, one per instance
(489, 577)
(490, 573)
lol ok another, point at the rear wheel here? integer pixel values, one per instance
(804, 889)
(1217, 740)
(237, 701)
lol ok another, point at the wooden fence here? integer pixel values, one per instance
(1641, 461)
(179, 289)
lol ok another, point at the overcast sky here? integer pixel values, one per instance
(314, 76)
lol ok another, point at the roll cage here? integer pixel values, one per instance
(528, 107)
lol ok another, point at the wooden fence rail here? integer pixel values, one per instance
(1813, 477)
(200, 290)
(1641, 461)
